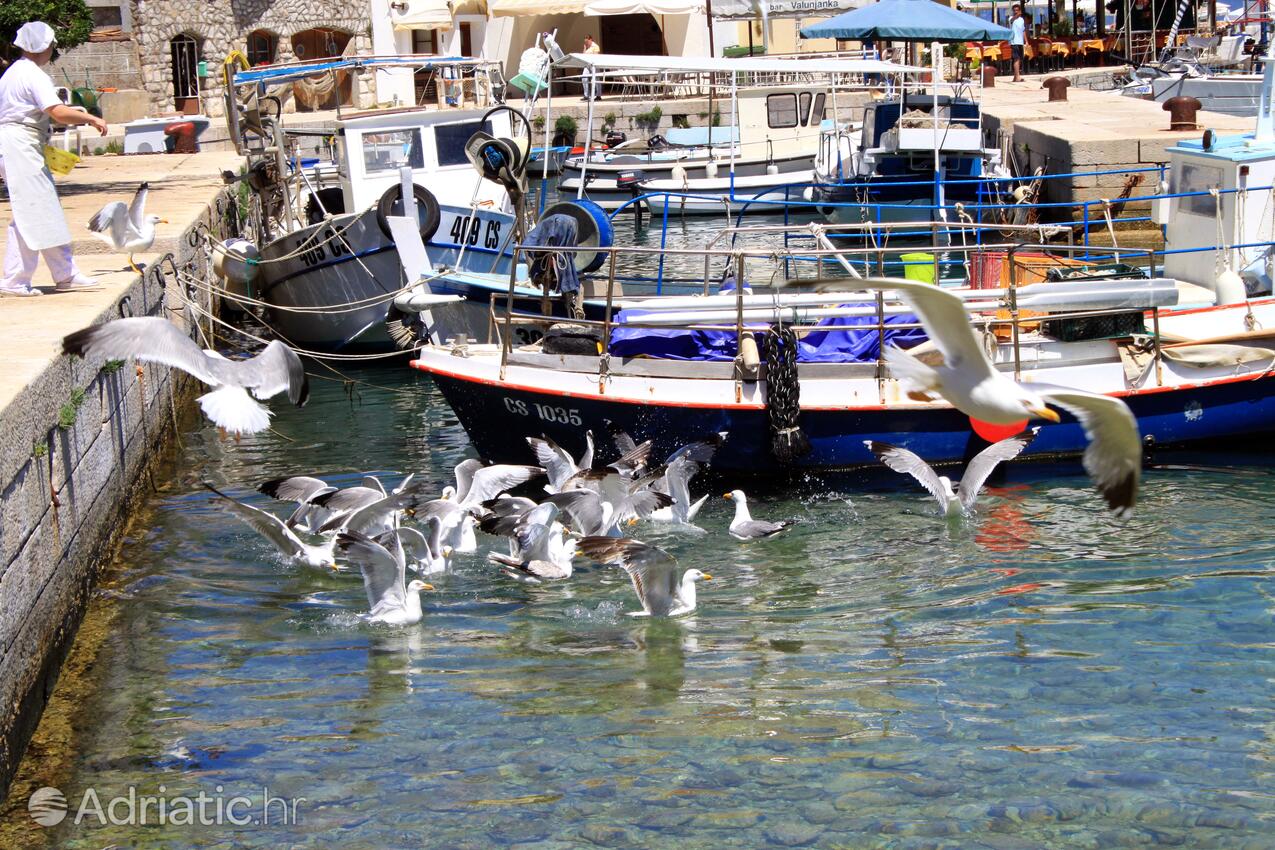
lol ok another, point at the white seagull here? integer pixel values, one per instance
(302, 489)
(127, 227)
(284, 539)
(539, 550)
(661, 587)
(958, 501)
(425, 554)
(276, 369)
(558, 463)
(476, 483)
(744, 527)
(971, 384)
(390, 598)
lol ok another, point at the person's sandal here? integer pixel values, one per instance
(78, 283)
(29, 292)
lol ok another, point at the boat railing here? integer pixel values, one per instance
(745, 313)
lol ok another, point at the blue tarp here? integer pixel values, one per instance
(907, 20)
(832, 346)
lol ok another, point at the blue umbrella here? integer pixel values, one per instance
(907, 20)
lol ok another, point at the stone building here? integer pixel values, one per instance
(174, 49)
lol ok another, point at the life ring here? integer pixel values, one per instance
(425, 200)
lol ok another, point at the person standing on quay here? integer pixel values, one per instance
(28, 101)
(1018, 41)
(591, 87)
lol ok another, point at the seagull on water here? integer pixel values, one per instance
(276, 369)
(391, 599)
(277, 532)
(958, 501)
(302, 489)
(744, 527)
(425, 553)
(970, 383)
(662, 588)
(539, 549)
(127, 227)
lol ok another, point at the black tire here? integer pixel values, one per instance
(426, 209)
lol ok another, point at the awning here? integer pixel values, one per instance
(421, 15)
(907, 20)
(514, 8)
(742, 10)
(757, 64)
(650, 7)
(469, 7)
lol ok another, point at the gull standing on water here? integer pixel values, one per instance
(744, 527)
(960, 501)
(127, 227)
(971, 384)
(229, 406)
(277, 532)
(390, 598)
(654, 573)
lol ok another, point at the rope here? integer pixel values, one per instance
(783, 395)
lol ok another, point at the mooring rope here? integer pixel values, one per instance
(783, 395)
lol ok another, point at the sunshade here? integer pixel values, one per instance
(738, 10)
(650, 7)
(907, 20)
(421, 15)
(515, 8)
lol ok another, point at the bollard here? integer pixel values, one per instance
(989, 76)
(181, 137)
(1057, 87)
(1181, 112)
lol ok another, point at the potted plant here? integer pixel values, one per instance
(564, 131)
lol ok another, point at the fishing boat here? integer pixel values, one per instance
(325, 269)
(778, 108)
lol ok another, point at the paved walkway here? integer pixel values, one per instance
(181, 187)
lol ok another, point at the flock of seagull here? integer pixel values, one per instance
(588, 505)
(584, 510)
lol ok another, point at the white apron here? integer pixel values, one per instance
(32, 195)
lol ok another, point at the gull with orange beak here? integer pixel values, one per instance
(969, 382)
(744, 527)
(660, 584)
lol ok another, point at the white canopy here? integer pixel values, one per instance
(739, 10)
(651, 7)
(761, 64)
(421, 15)
(514, 8)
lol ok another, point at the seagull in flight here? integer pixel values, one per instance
(127, 227)
(277, 532)
(958, 501)
(276, 369)
(970, 383)
(391, 599)
(660, 584)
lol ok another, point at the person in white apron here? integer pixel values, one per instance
(28, 101)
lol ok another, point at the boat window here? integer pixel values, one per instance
(1190, 177)
(804, 109)
(449, 140)
(392, 150)
(816, 114)
(781, 110)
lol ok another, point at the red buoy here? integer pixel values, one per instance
(995, 433)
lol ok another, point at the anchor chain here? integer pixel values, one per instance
(783, 396)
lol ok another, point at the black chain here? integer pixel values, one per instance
(783, 396)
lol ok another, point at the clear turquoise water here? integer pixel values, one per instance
(1042, 676)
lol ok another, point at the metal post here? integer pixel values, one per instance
(509, 312)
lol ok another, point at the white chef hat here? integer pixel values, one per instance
(35, 37)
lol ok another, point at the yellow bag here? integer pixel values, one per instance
(59, 161)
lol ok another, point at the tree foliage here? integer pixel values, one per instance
(70, 19)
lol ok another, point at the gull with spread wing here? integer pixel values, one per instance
(276, 369)
(284, 539)
(391, 599)
(127, 227)
(662, 587)
(958, 501)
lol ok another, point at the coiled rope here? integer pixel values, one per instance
(783, 395)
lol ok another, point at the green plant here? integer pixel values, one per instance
(608, 122)
(650, 119)
(539, 123)
(99, 150)
(68, 412)
(70, 19)
(110, 367)
(717, 118)
(40, 449)
(565, 125)
(680, 121)
(1061, 29)
(115, 146)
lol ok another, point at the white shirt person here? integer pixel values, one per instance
(28, 101)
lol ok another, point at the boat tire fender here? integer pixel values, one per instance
(425, 200)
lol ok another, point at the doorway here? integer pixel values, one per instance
(634, 35)
(184, 50)
(327, 89)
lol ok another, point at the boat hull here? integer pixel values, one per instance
(499, 415)
(348, 260)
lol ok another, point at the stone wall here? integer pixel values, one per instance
(75, 450)
(105, 64)
(222, 26)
